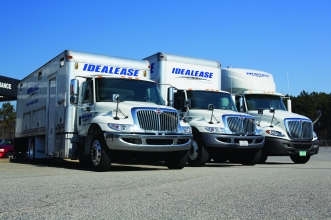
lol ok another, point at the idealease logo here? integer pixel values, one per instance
(192, 73)
(110, 70)
(257, 74)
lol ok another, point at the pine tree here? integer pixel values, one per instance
(7, 120)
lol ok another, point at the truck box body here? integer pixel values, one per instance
(115, 101)
(286, 133)
(222, 130)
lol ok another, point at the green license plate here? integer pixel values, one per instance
(302, 153)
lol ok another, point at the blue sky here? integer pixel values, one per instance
(282, 37)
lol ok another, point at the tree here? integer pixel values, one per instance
(308, 105)
(7, 120)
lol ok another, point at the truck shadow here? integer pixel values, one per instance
(75, 165)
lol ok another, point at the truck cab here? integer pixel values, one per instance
(286, 133)
(220, 132)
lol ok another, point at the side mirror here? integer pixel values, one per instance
(170, 96)
(188, 103)
(74, 89)
(241, 104)
(272, 110)
(260, 111)
(319, 114)
(116, 98)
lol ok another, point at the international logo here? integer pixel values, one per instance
(158, 111)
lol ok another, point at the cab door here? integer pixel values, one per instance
(85, 113)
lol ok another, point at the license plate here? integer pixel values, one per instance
(302, 153)
(243, 143)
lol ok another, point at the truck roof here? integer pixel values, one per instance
(238, 80)
(188, 60)
(76, 56)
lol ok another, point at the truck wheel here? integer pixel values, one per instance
(176, 160)
(9, 155)
(98, 153)
(32, 152)
(198, 155)
(263, 158)
(300, 160)
(251, 158)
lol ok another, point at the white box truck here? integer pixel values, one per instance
(219, 131)
(98, 109)
(286, 133)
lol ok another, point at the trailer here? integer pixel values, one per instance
(220, 132)
(286, 133)
(98, 109)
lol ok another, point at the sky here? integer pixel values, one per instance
(291, 39)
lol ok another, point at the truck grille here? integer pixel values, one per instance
(241, 125)
(299, 128)
(151, 120)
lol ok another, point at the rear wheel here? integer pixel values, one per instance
(176, 160)
(32, 151)
(300, 160)
(99, 154)
(198, 155)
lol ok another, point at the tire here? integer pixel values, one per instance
(176, 160)
(198, 155)
(300, 160)
(99, 154)
(251, 158)
(263, 158)
(32, 152)
(9, 155)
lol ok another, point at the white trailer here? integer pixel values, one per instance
(286, 133)
(98, 109)
(219, 131)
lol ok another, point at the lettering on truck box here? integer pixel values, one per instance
(110, 70)
(257, 74)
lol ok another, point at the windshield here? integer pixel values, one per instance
(201, 100)
(255, 102)
(7, 141)
(129, 90)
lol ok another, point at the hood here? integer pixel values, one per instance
(279, 117)
(206, 115)
(108, 109)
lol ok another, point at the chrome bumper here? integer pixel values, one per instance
(148, 142)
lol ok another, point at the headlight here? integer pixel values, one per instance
(187, 130)
(215, 129)
(275, 133)
(120, 127)
(258, 132)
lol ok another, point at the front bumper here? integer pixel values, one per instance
(148, 142)
(282, 147)
(232, 142)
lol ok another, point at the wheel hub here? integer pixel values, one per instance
(96, 153)
(193, 154)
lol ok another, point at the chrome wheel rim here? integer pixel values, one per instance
(96, 153)
(193, 154)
